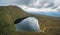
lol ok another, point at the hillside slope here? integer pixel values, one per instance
(9, 14)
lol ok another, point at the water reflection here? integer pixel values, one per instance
(29, 24)
(19, 20)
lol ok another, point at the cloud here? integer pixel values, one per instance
(40, 5)
(6, 2)
(45, 7)
(34, 5)
(45, 3)
(38, 9)
(22, 2)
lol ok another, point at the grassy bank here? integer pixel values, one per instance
(8, 14)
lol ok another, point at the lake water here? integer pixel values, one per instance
(29, 24)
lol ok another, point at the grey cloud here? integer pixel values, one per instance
(6, 2)
(33, 3)
(22, 2)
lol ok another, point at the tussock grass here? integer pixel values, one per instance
(8, 14)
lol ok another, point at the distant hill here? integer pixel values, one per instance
(9, 14)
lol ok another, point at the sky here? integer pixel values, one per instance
(45, 6)
(35, 4)
(41, 4)
(38, 4)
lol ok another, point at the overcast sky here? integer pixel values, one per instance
(34, 5)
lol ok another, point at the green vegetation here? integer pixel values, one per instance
(8, 14)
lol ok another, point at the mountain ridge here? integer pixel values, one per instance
(9, 14)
